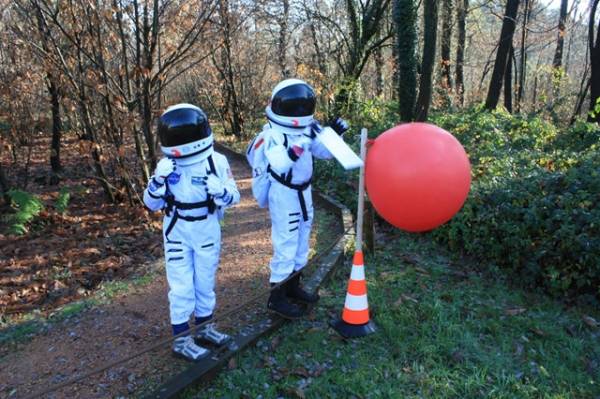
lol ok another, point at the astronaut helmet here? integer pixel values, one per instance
(185, 134)
(292, 104)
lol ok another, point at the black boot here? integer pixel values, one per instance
(279, 304)
(295, 291)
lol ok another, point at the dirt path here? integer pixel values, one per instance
(136, 319)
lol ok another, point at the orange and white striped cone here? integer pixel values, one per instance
(355, 321)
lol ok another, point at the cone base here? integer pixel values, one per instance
(353, 330)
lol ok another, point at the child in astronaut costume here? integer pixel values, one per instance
(291, 140)
(193, 185)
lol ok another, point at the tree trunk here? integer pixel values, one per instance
(522, 72)
(56, 124)
(504, 44)
(378, 58)
(364, 23)
(508, 81)
(580, 99)
(461, 21)
(4, 187)
(395, 71)
(146, 102)
(283, 37)
(558, 54)
(405, 20)
(446, 42)
(430, 17)
(562, 20)
(594, 64)
(53, 90)
(318, 58)
(232, 101)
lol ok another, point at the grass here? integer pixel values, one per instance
(445, 330)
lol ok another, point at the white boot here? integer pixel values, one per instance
(186, 347)
(209, 333)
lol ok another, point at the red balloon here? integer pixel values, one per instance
(417, 176)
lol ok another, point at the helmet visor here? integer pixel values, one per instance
(294, 100)
(182, 126)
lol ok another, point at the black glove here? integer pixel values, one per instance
(339, 125)
(315, 128)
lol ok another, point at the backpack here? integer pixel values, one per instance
(255, 154)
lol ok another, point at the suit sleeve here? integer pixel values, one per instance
(318, 150)
(231, 195)
(154, 195)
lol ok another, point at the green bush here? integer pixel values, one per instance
(534, 205)
(27, 207)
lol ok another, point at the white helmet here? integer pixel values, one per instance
(185, 133)
(292, 104)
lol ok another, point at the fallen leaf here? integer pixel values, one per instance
(538, 332)
(296, 393)
(398, 302)
(232, 364)
(590, 321)
(514, 311)
(409, 298)
(39, 260)
(91, 251)
(301, 371)
(318, 371)
(276, 376)
(410, 259)
(275, 342)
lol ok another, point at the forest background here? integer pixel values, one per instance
(517, 82)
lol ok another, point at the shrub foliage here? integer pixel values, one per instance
(534, 204)
(27, 207)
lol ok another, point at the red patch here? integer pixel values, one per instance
(295, 122)
(259, 143)
(175, 153)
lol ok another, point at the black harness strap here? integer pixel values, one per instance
(173, 205)
(211, 165)
(177, 216)
(286, 181)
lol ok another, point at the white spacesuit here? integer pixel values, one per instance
(193, 186)
(291, 142)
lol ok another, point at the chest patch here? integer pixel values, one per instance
(173, 178)
(197, 180)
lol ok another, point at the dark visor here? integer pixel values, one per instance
(182, 126)
(294, 100)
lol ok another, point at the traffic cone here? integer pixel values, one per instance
(355, 320)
